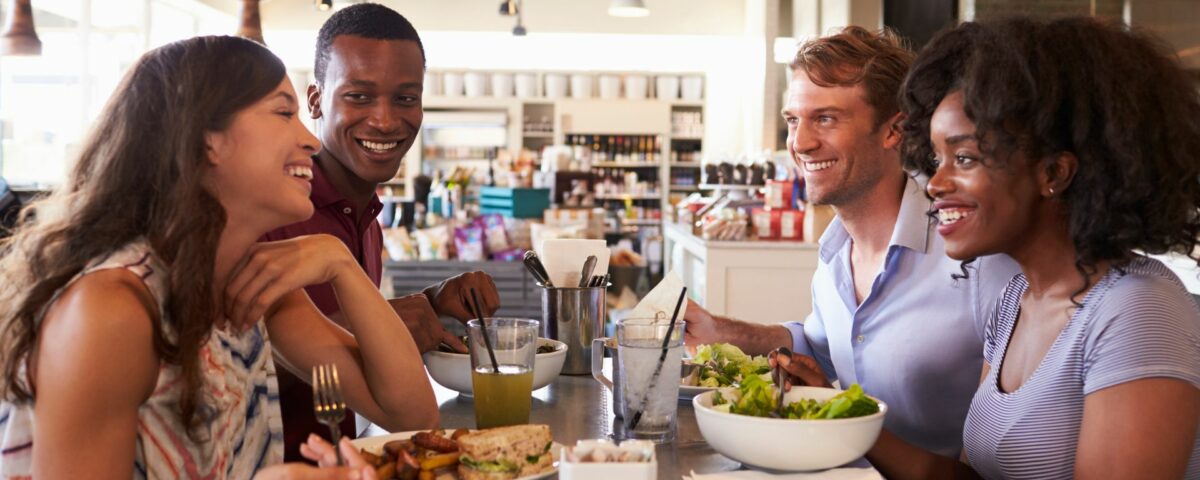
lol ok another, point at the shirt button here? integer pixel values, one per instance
(346, 210)
(859, 339)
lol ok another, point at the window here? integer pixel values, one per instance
(47, 103)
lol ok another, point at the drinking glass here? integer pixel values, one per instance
(650, 387)
(503, 396)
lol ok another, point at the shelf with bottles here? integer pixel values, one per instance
(626, 150)
(685, 178)
(436, 153)
(624, 165)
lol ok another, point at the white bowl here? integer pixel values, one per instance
(667, 87)
(581, 86)
(691, 87)
(556, 85)
(784, 444)
(453, 370)
(433, 84)
(452, 84)
(635, 87)
(475, 83)
(526, 84)
(502, 85)
(610, 87)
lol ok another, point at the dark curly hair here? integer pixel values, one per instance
(367, 20)
(1114, 97)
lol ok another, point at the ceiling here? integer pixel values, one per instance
(667, 17)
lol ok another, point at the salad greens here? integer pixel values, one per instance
(723, 365)
(756, 397)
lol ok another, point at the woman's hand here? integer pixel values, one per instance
(320, 451)
(271, 270)
(801, 370)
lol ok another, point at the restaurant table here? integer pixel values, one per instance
(577, 407)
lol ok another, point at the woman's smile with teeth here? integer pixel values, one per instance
(947, 216)
(377, 146)
(300, 171)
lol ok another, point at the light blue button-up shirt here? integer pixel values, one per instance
(916, 341)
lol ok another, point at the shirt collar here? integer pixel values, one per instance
(912, 223)
(324, 195)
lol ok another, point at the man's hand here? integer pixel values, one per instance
(446, 297)
(801, 370)
(424, 324)
(702, 326)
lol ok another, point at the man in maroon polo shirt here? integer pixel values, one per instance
(370, 67)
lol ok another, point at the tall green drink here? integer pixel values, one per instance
(503, 398)
(502, 380)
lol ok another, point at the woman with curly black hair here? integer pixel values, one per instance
(1072, 146)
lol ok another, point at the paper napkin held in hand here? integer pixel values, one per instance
(660, 302)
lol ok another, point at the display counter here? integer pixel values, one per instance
(755, 281)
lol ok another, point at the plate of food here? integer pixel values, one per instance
(519, 452)
(718, 365)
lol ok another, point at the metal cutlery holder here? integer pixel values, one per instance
(574, 316)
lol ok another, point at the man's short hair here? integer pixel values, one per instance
(876, 60)
(368, 20)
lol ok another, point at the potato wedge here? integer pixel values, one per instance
(440, 461)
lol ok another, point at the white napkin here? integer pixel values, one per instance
(661, 300)
(564, 257)
(834, 474)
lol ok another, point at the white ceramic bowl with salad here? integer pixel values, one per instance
(453, 370)
(785, 443)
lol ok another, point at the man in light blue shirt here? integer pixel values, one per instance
(891, 311)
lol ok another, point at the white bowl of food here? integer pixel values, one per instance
(453, 370)
(788, 444)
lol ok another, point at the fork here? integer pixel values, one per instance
(328, 403)
(779, 376)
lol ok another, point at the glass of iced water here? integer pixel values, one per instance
(649, 386)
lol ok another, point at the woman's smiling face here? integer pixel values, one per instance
(983, 206)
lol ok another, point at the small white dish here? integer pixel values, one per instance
(453, 370)
(570, 468)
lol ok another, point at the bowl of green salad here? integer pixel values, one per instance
(818, 428)
(718, 365)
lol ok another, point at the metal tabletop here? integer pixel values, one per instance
(577, 407)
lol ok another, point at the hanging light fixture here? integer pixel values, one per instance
(508, 8)
(251, 24)
(19, 37)
(324, 5)
(519, 29)
(628, 8)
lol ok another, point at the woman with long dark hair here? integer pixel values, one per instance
(139, 314)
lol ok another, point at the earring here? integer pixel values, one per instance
(1051, 191)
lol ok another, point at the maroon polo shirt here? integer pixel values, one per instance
(333, 215)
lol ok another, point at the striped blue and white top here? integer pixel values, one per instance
(1135, 324)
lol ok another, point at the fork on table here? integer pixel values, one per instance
(328, 403)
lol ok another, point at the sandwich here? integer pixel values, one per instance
(505, 453)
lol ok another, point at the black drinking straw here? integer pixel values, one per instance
(478, 311)
(637, 416)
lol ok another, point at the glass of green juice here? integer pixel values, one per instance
(502, 397)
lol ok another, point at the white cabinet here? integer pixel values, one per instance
(760, 282)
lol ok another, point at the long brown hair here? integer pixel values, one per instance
(139, 176)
